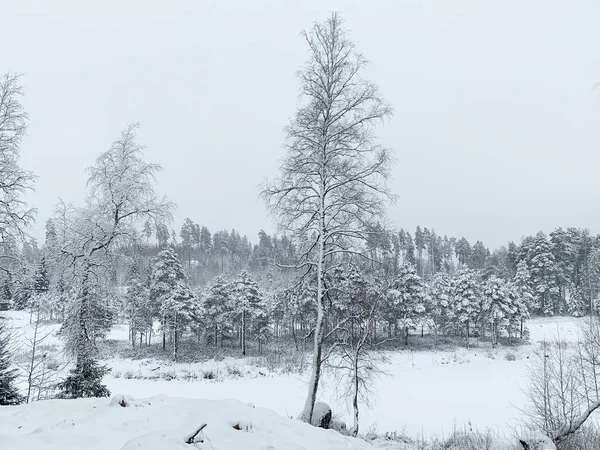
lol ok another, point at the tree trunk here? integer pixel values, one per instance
(175, 341)
(244, 333)
(294, 336)
(355, 396)
(521, 328)
(32, 365)
(315, 376)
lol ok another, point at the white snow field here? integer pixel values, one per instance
(159, 423)
(425, 393)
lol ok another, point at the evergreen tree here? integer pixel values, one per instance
(479, 256)
(467, 296)
(463, 251)
(172, 296)
(419, 246)
(409, 249)
(248, 304)
(187, 238)
(9, 393)
(497, 308)
(88, 319)
(405, 302)
(218, 308)
(441, 301)
(85, 380)
(542, 266)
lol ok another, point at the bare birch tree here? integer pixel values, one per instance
(563, 385)
(38, 365)
(15, 214)
(332, 181)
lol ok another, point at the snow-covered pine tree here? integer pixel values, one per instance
(440, 301)
(544, 273)
(467, 295)
(520, 300)
(172, 296)
(218, 308)
(405, 300)
(248, 304)
(9, 393)
(85, 379)
(497, 307)
(88, 318)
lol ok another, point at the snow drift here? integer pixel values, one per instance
(159, 423)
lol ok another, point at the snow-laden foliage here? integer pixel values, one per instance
(440, 301)
(405, 300)
(249, 306)
(467, 296)
(175, 302)
(218, 309)
(85, 380)
(9, 392)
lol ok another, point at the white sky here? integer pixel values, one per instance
(496, 126)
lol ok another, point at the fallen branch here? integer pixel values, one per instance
(191, 439)
(576, 424)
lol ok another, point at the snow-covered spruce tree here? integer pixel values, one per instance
(544, 273)
(9, 393)
(440, 301)
(172, 296)
(120, 199)
(248, 305)
(332, 181)
(15, 215)
(497, 307)
(88, 318)
(405, 300)
(467, 300)
(520, 310)
(218, 309)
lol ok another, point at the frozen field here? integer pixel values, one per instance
(424, 393)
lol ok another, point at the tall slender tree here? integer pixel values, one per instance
(332, 181)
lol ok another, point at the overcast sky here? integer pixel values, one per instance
(496, 126)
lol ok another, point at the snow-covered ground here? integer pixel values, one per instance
(159, 423)
(427, 393)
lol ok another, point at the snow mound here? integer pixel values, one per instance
(126, 401)
(162, 423)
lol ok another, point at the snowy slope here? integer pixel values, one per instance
(159, 423)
